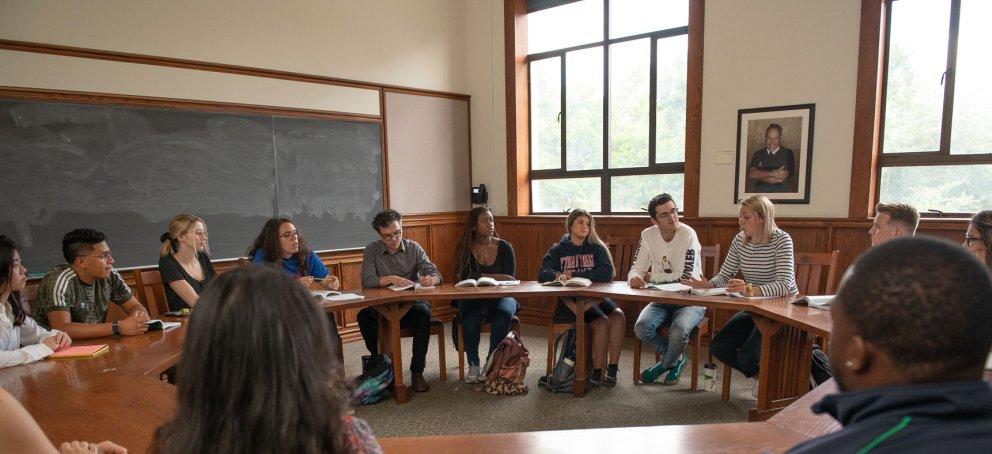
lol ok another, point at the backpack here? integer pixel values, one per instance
(372, 386)
(508, 367)
(820, 366)
(563, 374)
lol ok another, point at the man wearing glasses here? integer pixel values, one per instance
(74, 297)
(394, 260)
(668, 252)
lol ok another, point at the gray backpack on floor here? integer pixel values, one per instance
(563, 374)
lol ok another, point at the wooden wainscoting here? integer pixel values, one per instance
(531, 237)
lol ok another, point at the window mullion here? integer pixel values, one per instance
(949, 76)
(563, 114)
(605, 180)
(652, 104)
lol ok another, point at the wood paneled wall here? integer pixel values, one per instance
(531, 237)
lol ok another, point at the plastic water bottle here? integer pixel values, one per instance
(709, 376)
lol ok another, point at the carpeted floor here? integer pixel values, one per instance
(454, 407)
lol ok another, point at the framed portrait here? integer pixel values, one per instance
(774, 153)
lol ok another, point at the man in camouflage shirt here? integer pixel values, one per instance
(74, 297)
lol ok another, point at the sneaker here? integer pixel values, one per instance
(610, 380)
(473, 374)
(652, 373)
(675, 373)
(597, 377)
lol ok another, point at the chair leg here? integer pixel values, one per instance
(440, 354)
(461, 351)
(637, 359)
(725, 392)
(551, 346)
(694, 338)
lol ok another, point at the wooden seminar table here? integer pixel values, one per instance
(116, 396)
(787, 329)
(747, 437)
(794, 424)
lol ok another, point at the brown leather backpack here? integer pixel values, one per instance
(508, 367)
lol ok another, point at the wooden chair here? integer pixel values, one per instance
(29, 295)
(243, 262)
(810, 269)
(149, 290)
(623, 250)
(459, 333)
(710, 255)
(437, 329)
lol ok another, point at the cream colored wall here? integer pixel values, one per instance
(487, 85)
(761, 53)
(446, 45)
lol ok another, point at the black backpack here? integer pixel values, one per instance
(563, 374)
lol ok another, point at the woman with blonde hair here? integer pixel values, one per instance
(184, 261)
(581, 253)
(763, 254)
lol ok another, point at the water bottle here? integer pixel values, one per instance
(709, 376)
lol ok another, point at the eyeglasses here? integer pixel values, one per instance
(968, 239)
(104, 256)
(392, 236)
(290, 234)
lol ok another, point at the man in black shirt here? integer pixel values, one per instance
(771, 168)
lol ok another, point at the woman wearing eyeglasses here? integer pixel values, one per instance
(184, 261)
(978, 238)
(280, 244)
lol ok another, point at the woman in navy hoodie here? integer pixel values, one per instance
(582, 254)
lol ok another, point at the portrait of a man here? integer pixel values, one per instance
(774, 153)
(771, 168)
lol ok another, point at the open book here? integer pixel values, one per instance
(81, 351)
(716, 291)
(155, 325)
(397, 287)
(573, 282)
(484, 281)
(670, 287)
(817, 301)
(331, 295)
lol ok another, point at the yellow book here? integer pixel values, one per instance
(81, 351)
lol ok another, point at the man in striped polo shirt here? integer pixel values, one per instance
(74, 297)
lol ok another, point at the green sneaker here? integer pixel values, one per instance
(675, 373)
(652, 373)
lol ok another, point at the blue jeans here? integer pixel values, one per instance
(684, 319)
(738, 344)
(471, 314)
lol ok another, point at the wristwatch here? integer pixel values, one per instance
(117, 328)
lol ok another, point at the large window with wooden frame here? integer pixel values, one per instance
(607, 104)
(936, 143)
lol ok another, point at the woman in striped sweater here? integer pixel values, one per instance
(763, 254)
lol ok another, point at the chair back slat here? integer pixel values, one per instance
(711, 255)
(150, 291)
(624, 250)
(815, 272)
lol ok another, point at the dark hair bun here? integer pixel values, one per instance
(164, 237)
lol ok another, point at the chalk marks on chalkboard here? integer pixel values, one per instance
(310, 154)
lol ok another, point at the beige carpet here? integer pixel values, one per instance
(454, 407)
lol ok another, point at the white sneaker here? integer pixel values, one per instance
(473, 374)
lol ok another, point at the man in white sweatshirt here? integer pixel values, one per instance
(669, 251)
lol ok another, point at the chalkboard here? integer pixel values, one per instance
(127, 170)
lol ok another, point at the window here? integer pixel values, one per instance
(937, 115)
(607, 101)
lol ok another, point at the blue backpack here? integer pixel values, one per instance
(373, 385)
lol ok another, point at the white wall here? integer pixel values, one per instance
(761, 53)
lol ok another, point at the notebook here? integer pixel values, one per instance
(155, 325)
(81, 351)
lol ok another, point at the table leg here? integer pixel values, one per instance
(783, 374)
(578, 306)
(392, 313)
